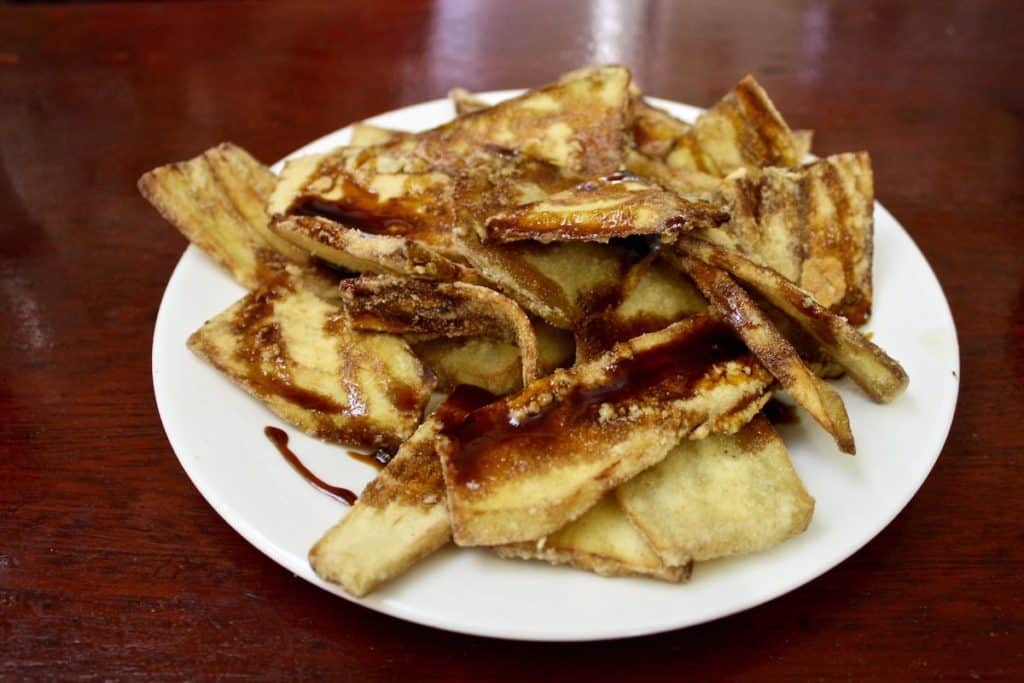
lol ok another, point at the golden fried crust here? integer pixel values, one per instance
(399, 518)
(813, 224)
(881, 377)
(578, 124)
(364, 252)
(387, 189)
(719, 496)
(618, 205)
(298, 355)
(525, 466)
(217, 201)
(743, 129)
(602, 541)
(772, 349)
(404, 306)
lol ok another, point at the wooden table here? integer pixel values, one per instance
(111, 564)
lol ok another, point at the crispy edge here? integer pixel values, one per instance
(400, 518)
(193, 197)
(366, 252)
(778, 355)
(881, 377)
(583, 544)
(655, 500)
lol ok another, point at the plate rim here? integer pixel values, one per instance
(257, 539)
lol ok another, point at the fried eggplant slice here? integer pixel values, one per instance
(415, 188)
(364, 252)
(491, 364)
(217, 201)
(389, 189)
(772, 349)
(554, 282)
(653, 296)
(813, 225)
(618, 205)
(525, 466)
(743, 129)
(401, 516)
(578, 124)
(450, 309)
(298, 354)
(719, 496)
(881, 377)
(602, 541)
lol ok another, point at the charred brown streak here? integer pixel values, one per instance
(665, 372)
(279, 438)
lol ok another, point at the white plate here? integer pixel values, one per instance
(217, 432)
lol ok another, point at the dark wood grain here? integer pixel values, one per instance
(112, 565)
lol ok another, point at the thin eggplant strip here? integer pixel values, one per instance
(772, 349)
(881, 377)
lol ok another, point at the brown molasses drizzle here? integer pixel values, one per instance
(279, 438)
(667, 371)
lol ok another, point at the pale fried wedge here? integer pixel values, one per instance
(450, 309)
(299, 356)
(812, 224)
(743, 129)
(777, 354)
(719, 496)
(554, 282)
(618, 205)
(400, 517)
(389, 189)
(217, 201)
(525, 466)
(491, 364)
(602, 541)
(365, 252)
(881, 377)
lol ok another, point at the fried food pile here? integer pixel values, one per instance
(604, 296)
